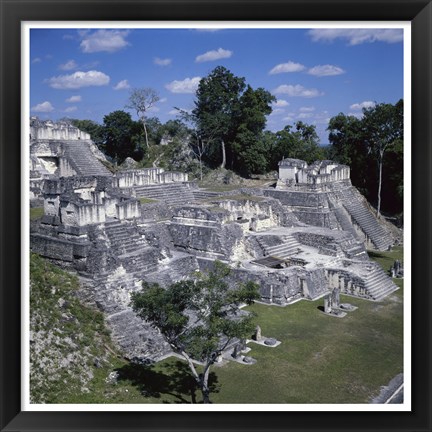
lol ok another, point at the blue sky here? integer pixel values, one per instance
(314, 73)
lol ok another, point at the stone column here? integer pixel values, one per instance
(335, 298)
(257, 336)
(327, 304)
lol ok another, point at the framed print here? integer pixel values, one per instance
(215, 215)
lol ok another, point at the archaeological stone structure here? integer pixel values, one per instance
(303, 238)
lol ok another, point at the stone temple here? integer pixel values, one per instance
(301, 239)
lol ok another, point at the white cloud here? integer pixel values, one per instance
(307, 109)
(162, 100)
(69, 65)
(83, 32)
(104, 40)
(122, 85)
(79, 79)
(277, 111)
(325, 70)
(188, 85)
(214, 55)
(289, 118)
(297, 91)
(287, 67)
(361, 105)
(36, 60)
(74, 99)
(357, 36)
(322, 118)
(305, 115)
(43, 107)
(162, 62)
(280, 103)
(70, 109)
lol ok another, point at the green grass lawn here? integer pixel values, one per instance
(36, 213)
(321, 359)
(144, 200)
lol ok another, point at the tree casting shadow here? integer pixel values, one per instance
(175, 380)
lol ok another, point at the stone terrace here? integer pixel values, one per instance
(170, 193)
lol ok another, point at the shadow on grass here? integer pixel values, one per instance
(374, 254)
(175, 380)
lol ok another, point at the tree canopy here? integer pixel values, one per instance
(121, 136)
(363, 142)
(199, 318)
(231, 116)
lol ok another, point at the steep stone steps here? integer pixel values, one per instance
(124, 237)
(136, 337)
(82, 159)
(171, 193)
(140, 262)
(378, 284)
(366, 220)
(344, 221)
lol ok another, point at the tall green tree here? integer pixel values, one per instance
(249, 152)
(198, 318)
(121, 136)
(216, 104)
(383, 129)
(362, 143)
(229, 118)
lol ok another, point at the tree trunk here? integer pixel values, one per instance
(201, 172)
(223, 154)
(205, 390)
(379, 185)
(145, 133)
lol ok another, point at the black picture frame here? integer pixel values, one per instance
(13, 12)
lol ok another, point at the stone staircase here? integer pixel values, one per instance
(124, 237)
(135, 337)
(170, 193)
(344, 220)
(288, 248)
(81, 158)
(377, 283)
(380, 238)
(132, 250)
(140, 262)
(202, 194)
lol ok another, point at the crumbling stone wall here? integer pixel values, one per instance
(48, 130)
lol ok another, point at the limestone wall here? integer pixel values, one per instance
(48, 130)
(81, 214)
(294, 172)
(172, 177)
(211, 240)
(65, 168)
(128, 209)
(130, 178)
(58, 249)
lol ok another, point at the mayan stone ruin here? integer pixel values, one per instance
(304, 238)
